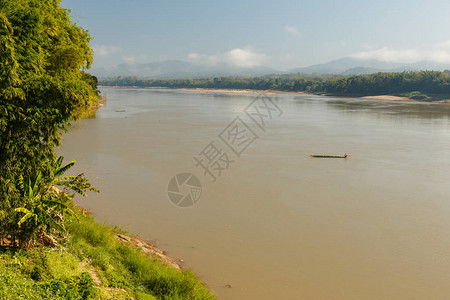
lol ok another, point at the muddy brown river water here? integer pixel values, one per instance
(278, 224)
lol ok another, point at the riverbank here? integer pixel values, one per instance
(434, 99)
(246, 91)
(271, 92)
(95, 261)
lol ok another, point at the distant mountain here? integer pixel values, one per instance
(352, 66)
(426, 65)
(347, 64)
(178, 69)
(183, 69)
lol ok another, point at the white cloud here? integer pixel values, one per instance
(214, 59)
(441, 52)
(105, 50)
(438, 53)
(135, 59)
(292, 30)
(129, 59)
(194, 56)
(245, 57)
(205, 59)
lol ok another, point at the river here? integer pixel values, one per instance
(276, 223)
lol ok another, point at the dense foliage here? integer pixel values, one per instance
(42, 88)
(425, 82)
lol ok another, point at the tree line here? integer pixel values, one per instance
(420, 82)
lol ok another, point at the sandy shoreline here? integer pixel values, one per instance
(388, 97)
(246, 91)
(243, 91)
(249, 91)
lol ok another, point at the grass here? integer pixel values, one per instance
(93, 264)
(23, 275)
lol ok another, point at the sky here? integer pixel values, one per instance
(280, 34)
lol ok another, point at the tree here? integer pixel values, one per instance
(42, 88)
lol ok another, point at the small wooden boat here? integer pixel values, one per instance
(329, 156)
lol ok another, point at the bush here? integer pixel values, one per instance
(417, 95)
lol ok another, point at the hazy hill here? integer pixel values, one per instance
(178, 69)
(184, 69)
(352, 66)
(348, 65)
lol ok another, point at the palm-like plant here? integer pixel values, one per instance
(44, 204)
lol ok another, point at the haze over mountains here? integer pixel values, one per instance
(178, 69)
(352, 66)
(184, 69)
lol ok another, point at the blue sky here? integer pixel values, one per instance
(280, 34)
